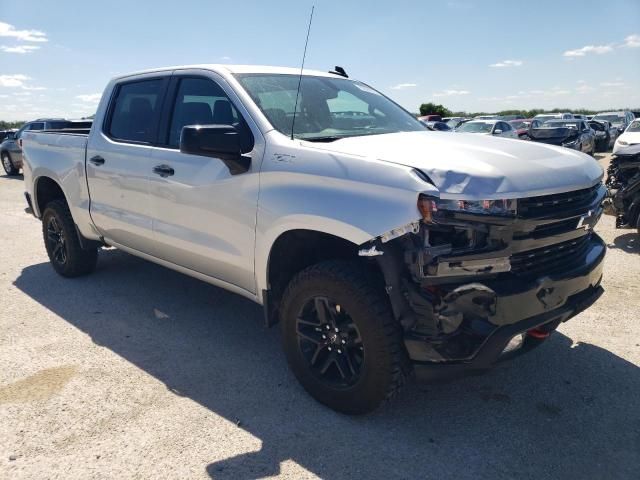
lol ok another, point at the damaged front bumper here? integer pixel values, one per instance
(519, 308)
(464, 286)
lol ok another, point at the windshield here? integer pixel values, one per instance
(634, 126)
(328, 108)
(616, 119)
(476, 127)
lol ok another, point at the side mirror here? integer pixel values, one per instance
(497, 132)
(217, 141)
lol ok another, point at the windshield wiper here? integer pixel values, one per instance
(328, 138)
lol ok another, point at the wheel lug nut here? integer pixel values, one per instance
(329, 348)
(339, 351)
(344, 342)
(324, 337)
(336, 329)
(328, 327)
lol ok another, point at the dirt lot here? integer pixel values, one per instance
(140, 372)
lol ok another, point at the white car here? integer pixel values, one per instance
(497, 128)
(631, 136)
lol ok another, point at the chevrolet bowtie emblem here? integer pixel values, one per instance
(586, 220)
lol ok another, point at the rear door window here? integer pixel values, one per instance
(135, 110)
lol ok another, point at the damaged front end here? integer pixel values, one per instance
(472, 276)
(623, 182)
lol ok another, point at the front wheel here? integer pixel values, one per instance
(8, 166)
(340, 338)
(61, 240)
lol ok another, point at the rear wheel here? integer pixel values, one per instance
(340, 338)
(61, 240)
(7, 164)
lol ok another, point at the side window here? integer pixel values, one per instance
(134, 111)
(201, 101)
(36, 126)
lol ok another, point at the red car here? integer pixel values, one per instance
(522, 125)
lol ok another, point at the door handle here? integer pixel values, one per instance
(97, 160)
(163, 170)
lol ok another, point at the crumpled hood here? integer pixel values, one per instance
(475, 167)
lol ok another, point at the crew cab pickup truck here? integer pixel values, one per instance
(380, 247)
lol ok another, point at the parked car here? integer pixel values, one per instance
(455, 122)
(522, 126)
(620, 120)
(380, 249)
(574, 134)
(496, 128)
(5, 133)
(430, 118)
(606, 134)
(579, 116)
(543, 117)
(509, 118)
(631, 136)
(486, 117)
(623, 182)
(11, 148)
(438, 126)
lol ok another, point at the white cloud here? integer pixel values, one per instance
(7, 30)
(507, 63)
(401, 86)
(612, 84)
(632, 41)
(13, 80)
(450, 93)
(225, 58)
(584, 88)
(581, 52)
(90, 97)
(27, 87)
(19, 48)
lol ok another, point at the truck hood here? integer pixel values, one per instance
(477, 167)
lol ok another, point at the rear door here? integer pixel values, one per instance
(119, 161)
(203, 216)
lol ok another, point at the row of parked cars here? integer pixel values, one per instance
(588, 134)
(11, 146)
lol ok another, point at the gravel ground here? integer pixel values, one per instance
(140, 372)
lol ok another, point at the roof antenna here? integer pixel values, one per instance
(293, 121)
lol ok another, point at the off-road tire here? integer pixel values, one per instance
(78, 261)
(385, 366)
(7, 165)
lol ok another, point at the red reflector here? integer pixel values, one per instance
(537, 333)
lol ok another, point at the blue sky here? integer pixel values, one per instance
(56, 57)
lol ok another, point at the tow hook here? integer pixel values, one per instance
(538, 333)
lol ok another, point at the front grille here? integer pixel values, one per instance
(551, 259)
(567, 202)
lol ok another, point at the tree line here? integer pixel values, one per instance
(437, 109)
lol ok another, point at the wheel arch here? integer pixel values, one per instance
(46, 189)
(292, 251)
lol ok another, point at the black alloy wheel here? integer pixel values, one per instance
(330, 342)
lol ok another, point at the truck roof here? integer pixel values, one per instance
(231, 69)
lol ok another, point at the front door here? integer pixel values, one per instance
(119, 164)
(203, 216)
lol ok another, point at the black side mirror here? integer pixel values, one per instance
(217, 141)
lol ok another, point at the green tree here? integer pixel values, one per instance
(434, 109)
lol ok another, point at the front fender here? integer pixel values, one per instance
(352, 198)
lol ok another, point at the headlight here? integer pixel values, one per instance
(622, 142)
(571, 144)
(432, 207)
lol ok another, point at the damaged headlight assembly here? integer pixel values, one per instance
(446, 233)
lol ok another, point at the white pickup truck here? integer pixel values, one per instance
(380, 247)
